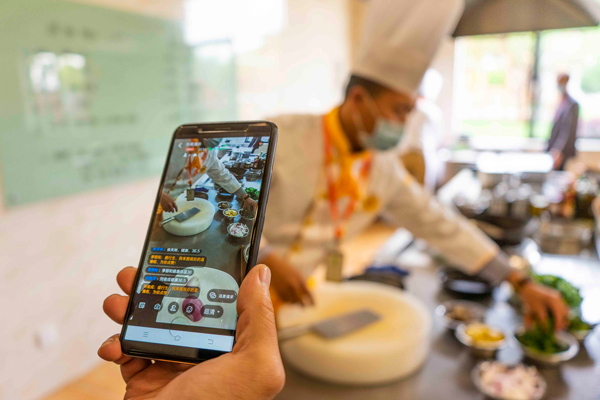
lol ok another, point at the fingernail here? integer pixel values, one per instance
(110, 340)
(265, 276)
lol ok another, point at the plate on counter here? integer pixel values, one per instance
(462, 285)
(456, 312)
(501, 381)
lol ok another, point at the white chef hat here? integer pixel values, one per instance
(400, 39)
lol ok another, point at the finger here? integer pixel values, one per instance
(133, 366)
(306, 296)
(125, 279)
(175, 367)
(540, 313)
(115, 307)
(560, 313)
(110, 350)
(308, 300)
(300, 294)
(256, 321)
(528, 320)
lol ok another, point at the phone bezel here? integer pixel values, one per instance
(221, 129)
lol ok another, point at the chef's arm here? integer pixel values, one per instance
(467, 248)
(462, 244)
(217, 171)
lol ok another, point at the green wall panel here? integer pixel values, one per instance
(114, 86)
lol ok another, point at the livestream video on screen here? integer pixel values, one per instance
(199, 245)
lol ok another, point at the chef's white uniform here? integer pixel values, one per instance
(399, 40)
(218, 173)
(297, 182)
(221, 175)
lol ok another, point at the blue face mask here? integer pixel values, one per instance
(385, 136)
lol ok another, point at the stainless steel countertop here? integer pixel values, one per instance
(446, 372)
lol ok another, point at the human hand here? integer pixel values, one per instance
(250, 205)
(168, 203)
(288, 282)
(538, 300)
(229, 376)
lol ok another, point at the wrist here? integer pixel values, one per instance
(518, 280)
(241, 193)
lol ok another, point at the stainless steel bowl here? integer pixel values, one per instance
(230, 219)
(230, 226)
(477, 312)
(564, 236)
(481, 350)
(555, 359)
(476, 378)
(224, 205)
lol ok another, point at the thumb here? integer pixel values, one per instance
(256, 329)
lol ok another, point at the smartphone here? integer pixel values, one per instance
(203, 237)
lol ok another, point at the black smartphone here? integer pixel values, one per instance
(203, 237)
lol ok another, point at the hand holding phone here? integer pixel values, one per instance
(204, 232)
(256, 350)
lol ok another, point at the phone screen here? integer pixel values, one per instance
(199, 243)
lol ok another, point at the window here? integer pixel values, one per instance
(494, 85)
(59, 84)
(577, 52)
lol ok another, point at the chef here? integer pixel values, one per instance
(205, 160)
(333, 174)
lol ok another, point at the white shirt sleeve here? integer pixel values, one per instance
(219, 174)
(415, 209)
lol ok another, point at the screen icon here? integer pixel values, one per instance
(189, 309)
(157, 306)
(173, 307)
(142, 304)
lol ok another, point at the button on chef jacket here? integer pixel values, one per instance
(298, 181)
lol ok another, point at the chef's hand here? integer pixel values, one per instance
(229, 376)
(539, 301)
(250, 205)
(287, 281)
(167, 203)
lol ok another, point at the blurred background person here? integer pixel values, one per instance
(561, 144)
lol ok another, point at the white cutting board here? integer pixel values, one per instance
(387, 350)
(194, 225)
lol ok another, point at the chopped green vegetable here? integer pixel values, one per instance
(577, 324)
(569, 292)
(541, 338)
(253, 193)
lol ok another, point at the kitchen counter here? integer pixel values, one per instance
(446, 372)
(221, 251)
